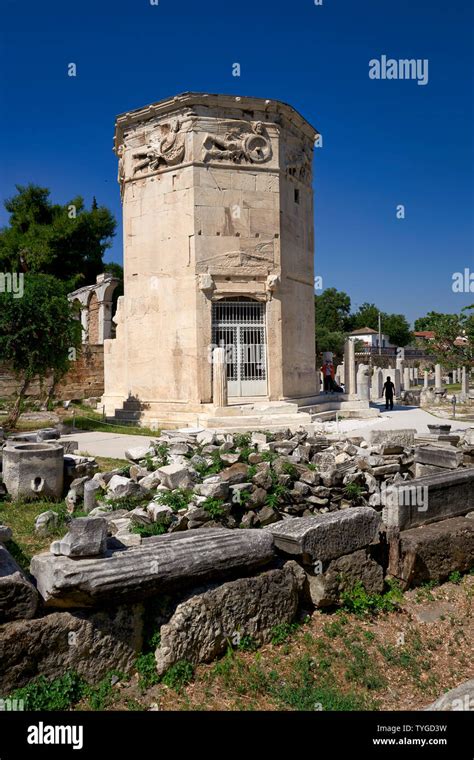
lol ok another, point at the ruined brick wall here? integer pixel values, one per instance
(84, 379)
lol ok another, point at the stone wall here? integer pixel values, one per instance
(84, 379)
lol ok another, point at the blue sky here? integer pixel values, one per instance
(385, 142)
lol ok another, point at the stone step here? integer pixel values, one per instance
(323, 416)
(124, 414)
(333, 404)
(255, 422)
(124, 423)
(263, 408)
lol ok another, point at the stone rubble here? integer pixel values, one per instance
(329, 515)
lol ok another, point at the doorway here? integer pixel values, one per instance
(238, 325)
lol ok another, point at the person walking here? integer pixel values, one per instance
(388, 391)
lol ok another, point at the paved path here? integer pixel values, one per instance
(400, 417)
(114, 445)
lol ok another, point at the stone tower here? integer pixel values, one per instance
(218, 251)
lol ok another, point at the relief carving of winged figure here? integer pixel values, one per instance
(167, 148)
(242, 142)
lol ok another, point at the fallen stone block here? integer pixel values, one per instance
(328, 536)
(341, 574)
(386, 469)
(423, 470)
(70, 447)
(213, 488)
(160, 513)
(460, 698)
(18, 597)
(393, 441)
(150, 481)
(46, 523)
(203, 626)
(86, 537)
(76, 466)
(175, 476)
(425, 500)
(92, 644)
(432, 552)
(92, 490)
(48, 434)
(5, 533)
(447, 456)
(158, 564)
(136, 453)
(236, 473)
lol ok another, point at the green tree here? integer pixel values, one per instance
(332, 309)
(39, 333)
(66, 241)
(448, 328)
(395, 326)
(366, 315)
(427, 322)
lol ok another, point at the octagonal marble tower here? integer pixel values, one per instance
(218, 251)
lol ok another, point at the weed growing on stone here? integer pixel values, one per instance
(268, 456)
(176, 500)
(213, 507)
(160, 457)
(290, 469)
(361, 603)
(251, 471)
(146, 531)
(126, 502)
(218, 464)
(242, 440)
(353, 490)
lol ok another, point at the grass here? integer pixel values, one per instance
(20, 516)
(66, 691)
(108, 463)
(25, 426)
(94, 422)
(336, 662)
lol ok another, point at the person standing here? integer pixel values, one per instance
(328, 376)
(388, 391)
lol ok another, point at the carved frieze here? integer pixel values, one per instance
(165, 148)
(257, 259)
(239, 142)
(298, 162)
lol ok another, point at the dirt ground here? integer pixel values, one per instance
(401, 660)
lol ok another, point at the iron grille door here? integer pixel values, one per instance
(239, 327)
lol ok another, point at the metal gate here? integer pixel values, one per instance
(239, 327)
